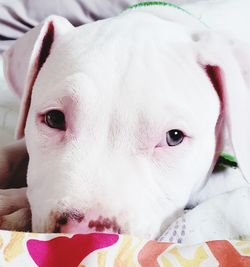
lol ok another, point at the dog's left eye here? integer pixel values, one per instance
(174, 137)
(55, 119)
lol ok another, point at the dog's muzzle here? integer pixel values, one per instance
(89, 222)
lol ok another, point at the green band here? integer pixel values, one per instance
(228, 156)
(227, 160)
(155, 3)
(166, 4)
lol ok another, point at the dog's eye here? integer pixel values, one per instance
(55, 119)
(174, 137)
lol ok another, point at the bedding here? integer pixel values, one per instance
(34, 249)
(106, 250)
(225, 216)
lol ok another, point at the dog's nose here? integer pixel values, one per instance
(74, 222)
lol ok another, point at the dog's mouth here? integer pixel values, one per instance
(75, 222)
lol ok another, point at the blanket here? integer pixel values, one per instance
(106, 250)
(221, 215)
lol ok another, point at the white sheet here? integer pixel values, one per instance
(8, 110)
(225, 216)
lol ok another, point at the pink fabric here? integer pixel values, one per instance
(55, 251)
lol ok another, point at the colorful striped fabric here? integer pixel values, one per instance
(106, 250)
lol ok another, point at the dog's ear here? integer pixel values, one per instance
(227, 64)
(23, 61)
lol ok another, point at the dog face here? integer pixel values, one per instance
(121, 128)
(132, 129)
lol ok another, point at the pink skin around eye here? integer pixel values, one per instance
(53, 135)
(162, 143)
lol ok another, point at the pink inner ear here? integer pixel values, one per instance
(215, 76)
(46, 46)
(43, 54)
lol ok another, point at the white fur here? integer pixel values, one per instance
(122, 84)
(108, 160)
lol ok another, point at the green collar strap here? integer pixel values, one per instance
(155, 3)
(226, 160)
(165, 4)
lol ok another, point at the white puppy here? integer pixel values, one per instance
(124, 118)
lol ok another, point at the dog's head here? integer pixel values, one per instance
(124, 120)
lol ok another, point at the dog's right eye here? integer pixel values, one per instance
(55, 119)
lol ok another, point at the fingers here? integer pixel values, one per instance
(4, 168)
(19, 220)
(12, 200)
(15, 212)
(13, 165)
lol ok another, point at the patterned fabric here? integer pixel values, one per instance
(106, 250)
